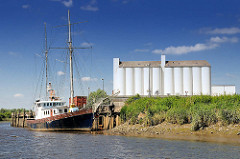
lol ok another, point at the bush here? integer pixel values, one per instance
(229, 116)
(132, 99)
(177, 115)
(202, 116)
(200, 111)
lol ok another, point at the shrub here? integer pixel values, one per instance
(202, 115)
(177, 115)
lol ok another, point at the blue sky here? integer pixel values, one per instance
(128, 29)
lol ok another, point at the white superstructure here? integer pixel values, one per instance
(161, 77)
(50, 107)
(46, 109)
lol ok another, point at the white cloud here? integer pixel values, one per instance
(185, 49)
(85, 44)
(60, 73)
(232, 30)
(91, 6)
(18, 95)
(84, 79)
(224, 39)
(212, 44)
(12, 53)
(141, 50)
(148, 44)
(231, 75)
(25, 6)
(68, 3)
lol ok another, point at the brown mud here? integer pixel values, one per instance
(214, 133)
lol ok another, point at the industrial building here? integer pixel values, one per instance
(158, 78)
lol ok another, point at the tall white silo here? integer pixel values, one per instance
(146, 78)
(121, 81)
(206, 81)
(156, 81)
(129, 81)
(168, 81)
(197, 81)
(178, 81)
(115, 74)
(138, 81)
(187, 81)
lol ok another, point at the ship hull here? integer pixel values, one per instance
(81, 121)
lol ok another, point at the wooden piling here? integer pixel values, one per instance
(23, 124)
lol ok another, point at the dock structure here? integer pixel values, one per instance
(108, 116)
(19, 119)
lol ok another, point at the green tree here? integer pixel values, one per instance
(95, 97)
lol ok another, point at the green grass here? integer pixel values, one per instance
(199, 111)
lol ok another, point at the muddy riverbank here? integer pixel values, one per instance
(213, 133)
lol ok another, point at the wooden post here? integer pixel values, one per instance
(15, 119)
(23, 118)
(117, 120)
(106, 125)
(111, 122)
(12, 119)
(18, 119)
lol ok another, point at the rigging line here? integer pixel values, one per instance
(99, 73)
(91, 63)
(83, 67)
(81, 85)
(60, 82)
(54, 37)
(83, 37)
(80, 81)
(91, 82)
(38, 81)
(63, 77)
(54, 75)
(65, 70)
(43, 72)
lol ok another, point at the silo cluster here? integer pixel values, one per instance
(163, 77)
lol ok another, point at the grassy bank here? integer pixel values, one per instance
(199, 111)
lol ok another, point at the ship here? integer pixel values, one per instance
(52, 113)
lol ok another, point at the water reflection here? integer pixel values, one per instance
(21, 143)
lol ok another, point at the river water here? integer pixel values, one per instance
(22, 143)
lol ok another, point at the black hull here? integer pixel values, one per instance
(82, 122)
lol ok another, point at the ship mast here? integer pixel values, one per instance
(46, 56)
(71, 65)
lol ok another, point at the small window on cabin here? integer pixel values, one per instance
(44, 112)
(65, 110)
(47, 104)
(54, 104)
(54, 111)
(44, 104)
(50, 104)
(60, 110)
